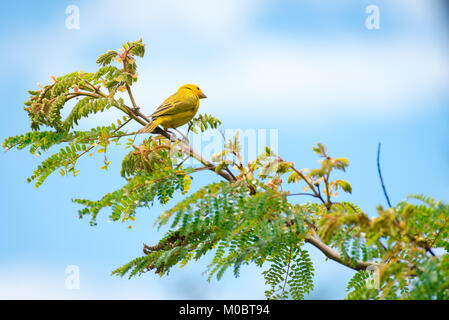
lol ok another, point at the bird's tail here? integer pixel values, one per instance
(149, 127)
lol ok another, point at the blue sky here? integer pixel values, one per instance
(309, 69)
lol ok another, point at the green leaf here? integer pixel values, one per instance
(344, 185)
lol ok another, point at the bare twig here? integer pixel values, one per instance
(302, 194)
(380, 176)
(309, 183)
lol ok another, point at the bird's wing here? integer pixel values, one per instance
(174, 104)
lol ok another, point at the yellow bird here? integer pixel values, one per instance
(177, 109)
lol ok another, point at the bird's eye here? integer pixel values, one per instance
(197, 88)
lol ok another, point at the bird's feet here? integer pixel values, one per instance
(184, 137)
(173, 137)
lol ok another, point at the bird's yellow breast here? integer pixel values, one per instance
(178, 119)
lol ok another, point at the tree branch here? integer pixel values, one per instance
(302, 194)
(334, 255)
(315, 192)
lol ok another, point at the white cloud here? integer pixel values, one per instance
(356, 78)
(253, 73)
(250, 72)
(200, 18)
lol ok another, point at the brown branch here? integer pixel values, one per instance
(192, 153)
(230, 172)
(201, 169)
(334, 255)
(329, 252)
(141, 115)
(72, 95)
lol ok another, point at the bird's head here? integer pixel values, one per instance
(195, 90)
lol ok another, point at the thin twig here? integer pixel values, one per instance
(230, 172)
(299, 173)
(428, 249)
(380, 176)
(302, 194)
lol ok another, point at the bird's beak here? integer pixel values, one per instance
(202, 95)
